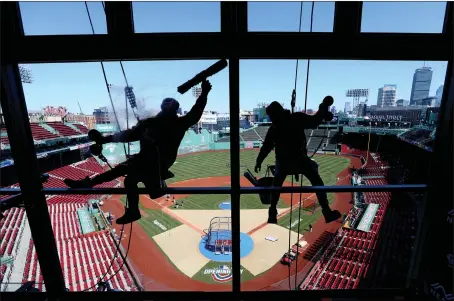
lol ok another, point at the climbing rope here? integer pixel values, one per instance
(101, 279)
(292, 103)
(301, 180)
(368, 147)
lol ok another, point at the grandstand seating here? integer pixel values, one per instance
(40, 133)
(329, 145)
(355, 257)
(261, 131)
(84, 259)
(250, 135)
(82, 128)
(89, 165)
(63, 129)
(71, 172)
(313, 137)
(314, 143)
(11, 230)
(4, 140)
(417, 135)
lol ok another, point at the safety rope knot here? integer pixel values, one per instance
(292, 103)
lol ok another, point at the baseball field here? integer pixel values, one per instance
(182, 241)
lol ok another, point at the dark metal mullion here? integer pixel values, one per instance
(448, 21)
(234, 70)
(429, 263)
(347, 18)
(148, 46)
(23, 151)
(119, 18)
(230, 30)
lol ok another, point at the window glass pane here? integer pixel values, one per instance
(285, 16)
(60, 122)
(411, 17)
(377, 137)
(62, 18)
(177, 16)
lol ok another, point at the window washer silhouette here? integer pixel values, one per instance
(160, 138)
(286, 136)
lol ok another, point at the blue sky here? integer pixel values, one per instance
(260, 80)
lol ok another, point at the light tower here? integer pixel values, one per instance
(356, 94)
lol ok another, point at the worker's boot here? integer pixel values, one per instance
(272, 215)
(330, 215)
(131, 215)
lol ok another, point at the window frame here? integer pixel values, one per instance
(234, 42)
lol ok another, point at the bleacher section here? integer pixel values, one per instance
(63, 129)
(355, 257)
(329, 145)
(42, 131)
(421, 137)
(318, 139)
(84, 258)
(82, 128)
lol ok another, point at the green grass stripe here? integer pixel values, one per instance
(147, 220)
(212, 202)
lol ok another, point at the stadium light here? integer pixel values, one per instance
(356, 94)
(131, 97)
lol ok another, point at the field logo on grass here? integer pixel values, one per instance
(294, 223)
(221, 274)
(160, 225)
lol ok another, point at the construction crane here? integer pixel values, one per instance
(80, 108)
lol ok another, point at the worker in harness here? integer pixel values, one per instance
(160, 138)
(286, 135)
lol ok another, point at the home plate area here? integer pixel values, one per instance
(207, 257)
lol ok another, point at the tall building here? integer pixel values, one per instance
(333, 109)
(348, 107)
(102, 115)
(387, 96)
(438, 95)
(421, 84)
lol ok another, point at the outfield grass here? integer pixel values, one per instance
(212, 201)
(211, 164)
